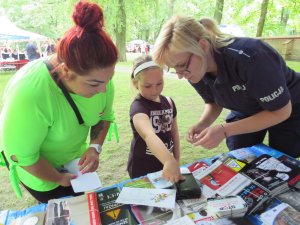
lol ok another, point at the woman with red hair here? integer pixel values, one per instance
(51, 105)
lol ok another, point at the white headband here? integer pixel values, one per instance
(144, 66)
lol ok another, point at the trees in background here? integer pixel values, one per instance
(127, 20)
(262, 18)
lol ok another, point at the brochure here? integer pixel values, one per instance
(83, 182)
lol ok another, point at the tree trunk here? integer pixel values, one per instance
(219, 11)
(171, 8)
(284, 17)
(121, 30)
(262, 18)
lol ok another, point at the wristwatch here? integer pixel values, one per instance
(98, 147)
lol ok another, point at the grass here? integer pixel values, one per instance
(113, 160)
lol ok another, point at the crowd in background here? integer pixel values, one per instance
(30, 52)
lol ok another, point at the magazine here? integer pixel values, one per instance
(112, 213)
(149, 215)
(142, 182)
(33, 215)
(281, 214)
(224, 181)
(3, 216)
(271, 174)
(158, 181)
(291, 197)
(149, 197)
(73, 210)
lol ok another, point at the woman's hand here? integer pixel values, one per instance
(65, 179)
(210, 137)
(89, 161)
(171, 171)
(193, 133)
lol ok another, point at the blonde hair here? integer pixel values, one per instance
(137, 62)
(182, 34)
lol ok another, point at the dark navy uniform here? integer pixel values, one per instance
(253, 77)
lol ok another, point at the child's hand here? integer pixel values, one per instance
(171, 171)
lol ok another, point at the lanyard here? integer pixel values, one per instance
(65, 91)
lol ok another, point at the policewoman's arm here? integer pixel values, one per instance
(211, 137)
(209, 115)
(259, 121)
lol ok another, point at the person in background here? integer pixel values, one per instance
(14, 54)
(51, 105)
(244, 75)
(155, 145)
(31, 51)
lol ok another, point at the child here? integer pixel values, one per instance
(155, 144)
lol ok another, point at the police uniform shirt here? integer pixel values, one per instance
(251, 77)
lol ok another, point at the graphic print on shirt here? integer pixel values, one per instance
(161, 120)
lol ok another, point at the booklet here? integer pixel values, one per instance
(112, 213)
(158, 181)
(33, 215)
(83, 182)
(81, 209)
(281, 214)
(150, 197)
(149, 215)
(274, 175)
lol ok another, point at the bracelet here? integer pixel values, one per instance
(224, 131)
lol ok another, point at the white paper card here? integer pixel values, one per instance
(164, 198)
(83, 182)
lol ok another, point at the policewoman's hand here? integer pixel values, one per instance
(210, 137)
(193, 133)
(89, 161)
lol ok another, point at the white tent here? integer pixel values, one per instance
(10, 32)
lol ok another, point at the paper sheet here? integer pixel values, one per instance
(164, 198)
(83, 182)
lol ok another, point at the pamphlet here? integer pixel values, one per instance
(150, 197)
(83, 182)
(281, 214)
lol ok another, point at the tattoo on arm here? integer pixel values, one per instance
(95, 130)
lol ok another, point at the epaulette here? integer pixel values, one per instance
(245, 53)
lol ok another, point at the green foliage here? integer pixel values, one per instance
(48, 17)
(144, 18)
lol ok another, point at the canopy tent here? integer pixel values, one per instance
(10, 32)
